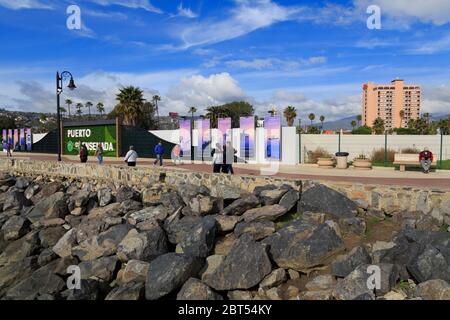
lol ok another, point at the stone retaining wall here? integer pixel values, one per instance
(388, 198)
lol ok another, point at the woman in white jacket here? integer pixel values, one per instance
(131, 157)
(217, 160)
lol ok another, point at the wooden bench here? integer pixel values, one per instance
(409, 159)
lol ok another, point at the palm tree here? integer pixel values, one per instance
(290, 113)
(402, 115)
(192, 110)
(322, 120)
(311, 117)
(100, 108)
(378, 126)
(155, 100)
(359, 119)
(69, 103)
(131, 101)
(353, 123)
(79, 106)
(89, 105)
(213, 113)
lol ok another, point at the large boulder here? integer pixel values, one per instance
(343, 265)
(20, 249)
(194, 289)
(15, 228)
(320, 198)
(126, 193)
(135, 271)
(168, 273)
(301, 245)
(257, 229)
(244, 267)
(16, 271)
(152, 195)
(270, 197)
(110, 210)
(89, 291)
(433, 290)
(158, 213)
(270, 212)
(226, 223)
(178, 228)
(144, 246)
(53, 206)
(100, 269)
(22, 183)
(47, 190)
(172, 201)
(199, 241)
(15, 200)
(290, 199)
(239, 206)
(48, 237)
(128, 292)
(202, 205)
(105, 197)
(189, 191)
(226, 192)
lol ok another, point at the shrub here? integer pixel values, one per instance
(313, 156)
(362, 130)
(378, 155)
(410, 150)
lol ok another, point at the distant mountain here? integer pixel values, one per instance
(339, 124)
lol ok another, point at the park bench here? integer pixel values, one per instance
(409, 159)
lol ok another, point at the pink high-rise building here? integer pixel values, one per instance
(395, 103)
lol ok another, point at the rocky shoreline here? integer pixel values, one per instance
(181, 242)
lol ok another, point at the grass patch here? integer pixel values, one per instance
(444, 228)
(404, 285)
(284, 220)
(370, 226)
(445, 165)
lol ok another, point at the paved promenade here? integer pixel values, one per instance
(381, 176)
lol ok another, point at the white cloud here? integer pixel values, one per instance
(186, 12)
(24, 4)
(134, 4)
(246, 17)
(431, 47)
(275, 63)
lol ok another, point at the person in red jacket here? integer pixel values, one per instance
(426, 159)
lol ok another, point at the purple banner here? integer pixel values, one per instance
(16, 144)
(29, 139)
(224, 130)
(247, 137)
(185, 138)
(22, 139)
(272, 137)
(10, 137)
(4, 139)
(204, 138)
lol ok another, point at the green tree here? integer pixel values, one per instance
(192, 111)
(62, 110)
(353, 124)
(130, 105)
(378, 126)
(69, 103)
(237, 109)
(311, 117)
(89, 106)
(79, 106)
(322, 120)
(100, 108)
(359, 119)
(213, 113)
(290, 113)
(362, 130)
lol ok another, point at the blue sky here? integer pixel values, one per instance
(314, 55)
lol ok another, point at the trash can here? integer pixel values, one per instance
(342, 160)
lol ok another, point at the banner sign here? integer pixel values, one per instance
(4, 140)
(22, 139)
(185, 138)
(91, 136)
(10, 137)
(272, 137)
(16, 144)
(224, 130)
(204, 138)
(247, 137)
(29, 139)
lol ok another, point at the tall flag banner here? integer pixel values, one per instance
(10, 137)
(272, 137)
(16, 143)
(4, 140)
(224, 130)
(29, 139)
(204, 139)
(247, 137)
(22, 139)
(185, 138)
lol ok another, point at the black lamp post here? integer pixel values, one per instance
(59, 89)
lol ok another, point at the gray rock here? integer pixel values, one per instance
(135, 271)
(15, 200)
(105, 197)
(226, 192)
(16, 271)
(152, 195)
(375, 213)
(22, 183)
(274, 279)
(202, 205)
(79, 199)
(168, 273)
(194, 289)
(432, 263)
(302, 246)
(290, 199)
(177, 229)
(128, 292)
(89, 228)
(226, 223)
(212, 263)
(314, 217)
(433, 290)
(189, 191)
(89, 291)
(110, 210)
(100, 269)
(345, 264)
(199, 242)
(270, 197)
(130, 206)
(323, 282)
(172, 201)
(144, 246)
(257, 229)
(126, 193)
(15, 228)
(239, 206)
(20, 249)
(158, 213)
(50, 236)
(46, 191)
(240, 295)
(53, 206)
(45, 257)
(270, 213)
(244, 267)
(325, 200)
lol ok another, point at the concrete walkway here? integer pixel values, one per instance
(379, 175)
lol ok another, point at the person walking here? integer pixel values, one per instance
(217, 158)
(131, 157)
(8, 149)
(426, 159)
(228, 158)
(99, 153)
(176, 154)
(84, 153)
(159, 151)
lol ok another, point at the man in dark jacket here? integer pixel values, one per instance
(426, 159)
(159, 151)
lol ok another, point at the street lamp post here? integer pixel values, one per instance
(59, 89)
(300, 140)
